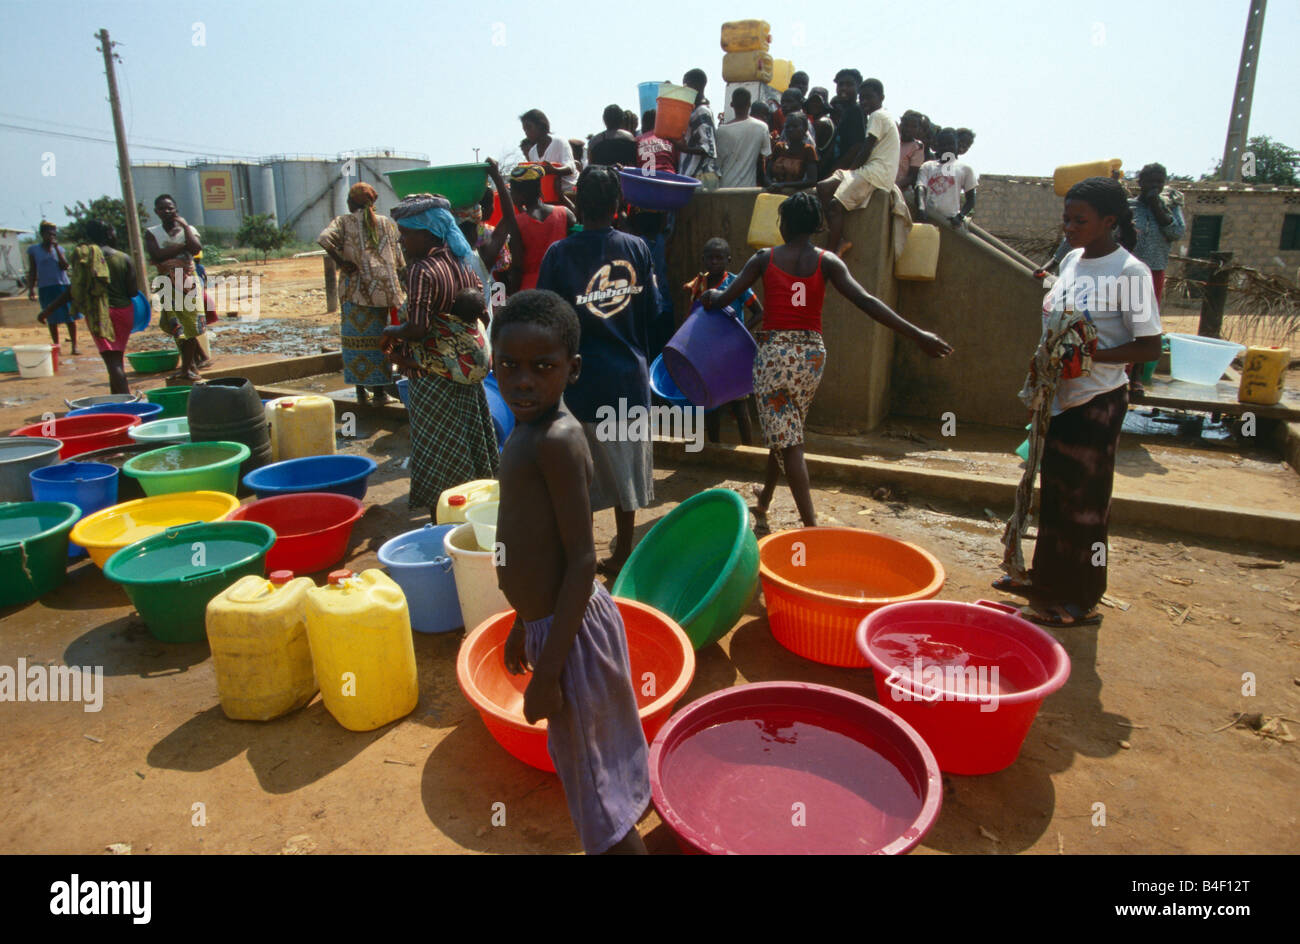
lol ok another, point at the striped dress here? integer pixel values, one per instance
(452, 437)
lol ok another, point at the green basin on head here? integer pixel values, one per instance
(175, 400)
(33, 548)
(462, 184)
(171, 576)
(698, 565)
(189, 467)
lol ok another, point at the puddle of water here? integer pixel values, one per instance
(1163, 423)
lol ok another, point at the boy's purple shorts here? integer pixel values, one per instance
(596, 742)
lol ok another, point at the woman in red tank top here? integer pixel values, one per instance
(540, 224)
(791, 355)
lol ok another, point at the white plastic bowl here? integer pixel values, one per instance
(1200, 360)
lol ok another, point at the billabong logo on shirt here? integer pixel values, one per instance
(610, 289)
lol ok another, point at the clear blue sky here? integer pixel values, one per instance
(1042, 83)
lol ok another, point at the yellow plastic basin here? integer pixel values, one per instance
(106, 532)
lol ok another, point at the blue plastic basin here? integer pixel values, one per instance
(346, 475)
(662, 384)
(503, 421)
(658, 191)
(141, 408)
(418, 563)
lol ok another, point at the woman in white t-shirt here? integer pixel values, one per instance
(540, 146)
(1102, 287)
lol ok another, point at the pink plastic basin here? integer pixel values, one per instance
(792, 767)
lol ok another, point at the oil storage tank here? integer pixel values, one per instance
(305, 193)
(372, 163)
(153, 179)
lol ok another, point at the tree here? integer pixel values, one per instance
(106, 209)
(1272, 162)
(260, 231)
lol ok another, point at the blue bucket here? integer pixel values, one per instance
(418, 564)
(648, 94)
(91, 486)
(404, 392)
(503, 421)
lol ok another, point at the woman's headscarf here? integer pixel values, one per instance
(364, 195)
(432, 214)
(528, 172)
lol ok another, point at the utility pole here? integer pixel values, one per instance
(1239, 117)
(124, 166)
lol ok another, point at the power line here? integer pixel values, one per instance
(28, 120)
(97, 140)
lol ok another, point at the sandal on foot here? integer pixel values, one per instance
(1005, 584)
(1047, 618)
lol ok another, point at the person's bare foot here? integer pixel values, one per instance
(193, 376)
(75, 352)
(760, 506)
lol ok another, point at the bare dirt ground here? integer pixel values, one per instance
(1145, 725)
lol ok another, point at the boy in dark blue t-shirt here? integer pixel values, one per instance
(608, 278)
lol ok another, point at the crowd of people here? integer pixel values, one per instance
(567, 301)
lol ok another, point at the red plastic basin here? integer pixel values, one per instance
(84, 433)
(311, 528)
(792, 767)
(969, 677)
(656, 645)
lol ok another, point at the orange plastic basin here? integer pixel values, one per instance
(656, 645)
(819, 584)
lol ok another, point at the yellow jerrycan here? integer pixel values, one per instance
(746, 36)
(360, 633)
(301, 426)
(752, 66)
(1263, 375)
(765, 224)
(919, 259)
(455, 501)
(782, 72)
(259, 646)
(1067, 175)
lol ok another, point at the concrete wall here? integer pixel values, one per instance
(990, 310)
(854, 393)
(1027, 207)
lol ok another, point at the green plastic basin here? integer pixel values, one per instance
(171, 576)
(33, 548)
(153, 362)
(188, 467)
(175, 401)
(461, 184)
(698, 565)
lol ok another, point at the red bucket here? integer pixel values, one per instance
(968, 677)
(311, 528)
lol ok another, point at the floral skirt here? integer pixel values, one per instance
(787, 371)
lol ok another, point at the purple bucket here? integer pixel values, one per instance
(711, 358)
